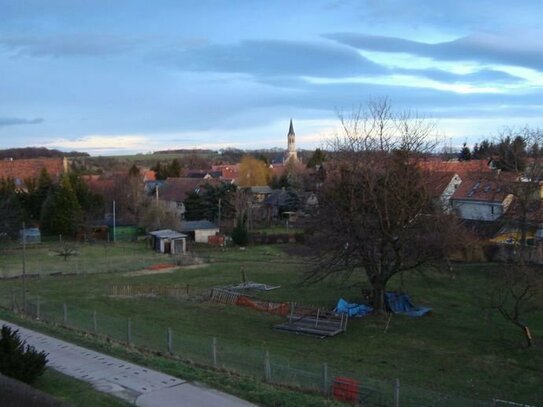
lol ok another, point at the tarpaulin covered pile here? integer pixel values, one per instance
(400, 303)
(353, 310)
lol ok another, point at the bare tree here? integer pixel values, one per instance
(516, 286)
(516, 292)
(375, 211)
(158, 215)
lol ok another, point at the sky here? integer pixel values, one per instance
(129, 76)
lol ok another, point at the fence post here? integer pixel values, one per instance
(94, 322)
(214, 351)
(129, 331)
(397, 393)
(65, 312)
(170, 346)
(325, 378)
(38, 307)
(267, 367)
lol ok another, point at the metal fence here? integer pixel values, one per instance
(218, 353)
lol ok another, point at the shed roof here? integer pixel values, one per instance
(168, 234)
(192, 225)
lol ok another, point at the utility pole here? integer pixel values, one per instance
(220, 215)
(24, 267)
(114, 221)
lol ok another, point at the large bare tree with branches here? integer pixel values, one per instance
(375, 213)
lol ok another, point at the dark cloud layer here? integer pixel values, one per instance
(68, 45)
(15, 121)
(483, 48)
(275, 58)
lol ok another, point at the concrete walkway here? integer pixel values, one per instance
(138, 385)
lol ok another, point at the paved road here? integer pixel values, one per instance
(141, 386)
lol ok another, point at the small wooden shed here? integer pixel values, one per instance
(168, 241)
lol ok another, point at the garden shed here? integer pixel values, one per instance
(30, 235)
(168, 241)
(199, 230)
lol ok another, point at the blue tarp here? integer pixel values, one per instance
(353, 310)
(400, 303)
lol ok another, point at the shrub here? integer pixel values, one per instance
(240, 236)
(19, 360)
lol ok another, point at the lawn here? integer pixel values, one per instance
(75, 392)
(41, 259)
(461, 349)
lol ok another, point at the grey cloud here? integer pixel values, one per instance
(15, 121)
(477, 47)
(478, 77)
(275, 58)
(69, 45)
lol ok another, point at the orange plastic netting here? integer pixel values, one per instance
(279, 308)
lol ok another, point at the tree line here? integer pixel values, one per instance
(58, 207)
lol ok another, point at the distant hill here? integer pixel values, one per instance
(185, 151)
(37, 152)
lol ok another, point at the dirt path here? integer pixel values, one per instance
(165, 270)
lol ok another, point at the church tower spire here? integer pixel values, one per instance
(291, 137)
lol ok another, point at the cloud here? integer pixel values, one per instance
(74, 45)
(103, 143)
(274, 58)
(520, 49)
(483, 76)
(15, 121)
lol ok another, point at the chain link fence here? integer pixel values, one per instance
(218, 353)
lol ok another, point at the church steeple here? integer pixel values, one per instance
(291, 129)
(291, 138)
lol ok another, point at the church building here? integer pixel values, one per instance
(291, 152)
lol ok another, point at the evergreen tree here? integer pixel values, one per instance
(11, 211)
(37, 194)
(174, 169)
(19, 360)
(195, 208)
(465, 153)
(92, 204)
(61, 212)
(159, 171)
(134, 171)
(317, 158)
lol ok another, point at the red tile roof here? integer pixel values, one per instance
(31, 168)
(436, 182)
(462, 168)
(482, 189)
(177, 189)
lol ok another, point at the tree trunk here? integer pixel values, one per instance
(527, 334)
(378, 292)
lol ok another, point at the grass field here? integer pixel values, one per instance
(75, 392)
(461, 349)
(100, 257)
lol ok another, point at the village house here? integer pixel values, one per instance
(174, 191)
(480, 199)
